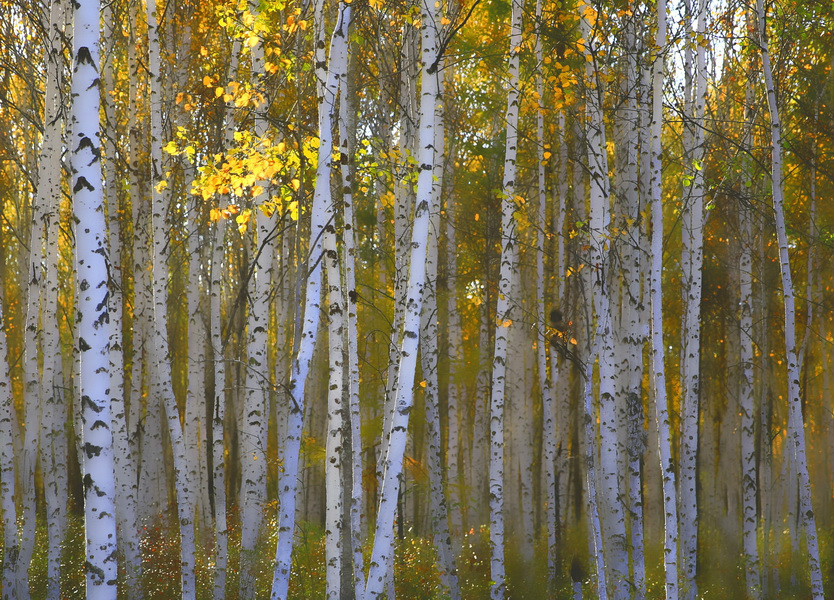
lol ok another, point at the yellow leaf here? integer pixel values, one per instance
(423, 383)
(218, 91)
(170, 147)
(214, 215)
(161, 185)
(207, 81)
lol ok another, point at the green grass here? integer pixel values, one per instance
(416, 575)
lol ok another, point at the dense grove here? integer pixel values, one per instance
(361, 299)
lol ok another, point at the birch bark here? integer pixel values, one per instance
(11, 544)
(347, 130)
(93, 315)
(692, 265)
(288, 478)
(748, 442)
(796, 425)
(504, 313)
(429, 355)
(253, 434)
(123, 459)
(53, 442)
(670, 544)
(382, 553)
(335, 442)
(600, 214)
(548, 428)
(161, 386)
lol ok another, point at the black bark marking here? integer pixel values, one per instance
(82, 183)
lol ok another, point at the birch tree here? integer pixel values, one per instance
(253, 435)
(347, 130)
(7, 471)
(93, 315)
(692, 264)
(796, 424)
(382, 553)
(287, 483)
(548, 429)
(613, 517)
(335, 442)
(161, 385)
(662, 421)
(504, 313)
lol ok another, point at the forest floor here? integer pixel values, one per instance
(416, 575)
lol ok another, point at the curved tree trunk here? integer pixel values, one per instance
(796, 423)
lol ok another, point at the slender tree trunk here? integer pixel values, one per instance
(796, 424)
(429, 354)
(748, 445)
(632, 322)
(11, 547)
(52, 444)
(93, 315)
(123, 460)
(288, 478)
(670, 545)
(255, 424)
(548, 400)
(382, 553)
(504, 314)
(693, 243)
(347, 130)
(161, 384)
(598, 550)
(614, 516)
(335, 441)
(221, 534)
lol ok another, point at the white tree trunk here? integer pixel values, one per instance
(335, 441)
(123, 460)
(93, 316)
(334, 445)
(7, 472)
(429, 355)
(670, 545)
(454, 408)
(504, 314)
(53, 442)
(796, 425)
(346, 127)
(632, 322)
(221, 534)
(692, 264)
(542, 344)
(748, 442)
(253, 433)
(613, 515)
(288, 478)
(598, 550)
(382, 554)
(161, 384)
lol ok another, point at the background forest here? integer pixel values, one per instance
(416, 299)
